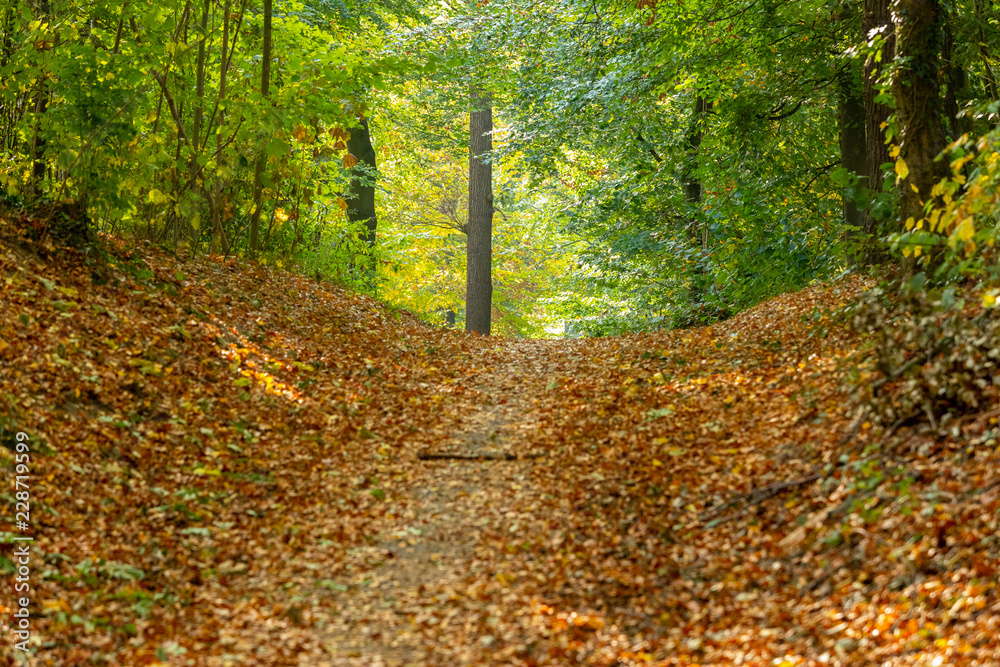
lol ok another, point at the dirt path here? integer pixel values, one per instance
(434, 544)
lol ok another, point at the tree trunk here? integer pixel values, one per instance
(954, 79)
(876, 15)
(219, 242)
(38, 141)
(916, 90)
(693, 196)
(692, 186)
(361, 201)
(199, 112)
(258, 172)
(851, 119)
(479, 231)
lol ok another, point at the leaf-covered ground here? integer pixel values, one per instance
(236, 466)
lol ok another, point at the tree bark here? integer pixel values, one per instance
(916, 90)
(219, 242)
(198, 117)
(851, 119)
(954, 80)
(693, 196)
(479, 230)
(691, 183)
(361, 201)
(876, 16)
(38, 141)
(258, 172)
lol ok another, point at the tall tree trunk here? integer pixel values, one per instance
(199, 88)
(199, 112)
(38, 141)
(258, 172)
(361, 202)
(876, 16)
(219, 242)
(954, 80)
(693, 196)
(851, 119)
(692, 185)
(916, 90)
(479, 231)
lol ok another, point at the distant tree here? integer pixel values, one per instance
(361, 199)
(479, 230)
(853, 145)
(877, 28)
(258, 173)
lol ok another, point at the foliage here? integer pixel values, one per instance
(189, 422)
(958, 235)
(603, 105)
(424, 210)
(151, 116)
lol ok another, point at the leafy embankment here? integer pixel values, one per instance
(206, 438)
(708, 499)
(213, 441)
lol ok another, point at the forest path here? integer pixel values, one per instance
(383, 616)
(234, 482)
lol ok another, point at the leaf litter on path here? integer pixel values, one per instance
(226, 467)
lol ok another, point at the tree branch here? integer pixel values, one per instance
(649, 146)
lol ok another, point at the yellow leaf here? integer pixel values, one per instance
(989, 300)
(54, 605)
(901, 169)
(505, 579)
(657, 463)
(916, 251)
(935, 217)
(342, 203)
(910, 222)
(157, 197)
(965, 230)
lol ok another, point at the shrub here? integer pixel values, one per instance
(931, 357)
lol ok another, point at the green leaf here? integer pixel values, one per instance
(841, 177)
(277, 148)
